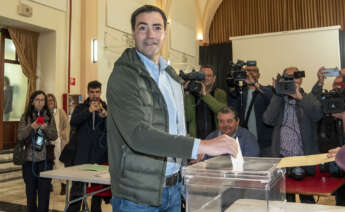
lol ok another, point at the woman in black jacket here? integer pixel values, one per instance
(36, 130)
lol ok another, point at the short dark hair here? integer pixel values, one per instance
(94, 84)
(291, 67)
(209, 66)
(147, 9)
(227, 110)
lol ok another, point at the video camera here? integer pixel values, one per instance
(236, 73)
(194, 78)
(332, 101)
(286, 85)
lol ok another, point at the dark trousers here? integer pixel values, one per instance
(36, 186)
(77, 190)
(303, 198)
(340, 196)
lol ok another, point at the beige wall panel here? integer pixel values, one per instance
(306, 49)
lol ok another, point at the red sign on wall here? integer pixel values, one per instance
(72, 81)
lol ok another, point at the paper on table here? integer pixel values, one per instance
(308, 160)
(96, 167)
(105, 175)
(237, 163)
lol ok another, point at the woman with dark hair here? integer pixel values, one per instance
(36, 130)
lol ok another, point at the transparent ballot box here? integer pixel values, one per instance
(213, 185)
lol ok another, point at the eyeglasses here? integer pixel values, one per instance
(39, 100)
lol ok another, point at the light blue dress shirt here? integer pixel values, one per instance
(173, 96)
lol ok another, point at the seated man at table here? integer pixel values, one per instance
(228, 123)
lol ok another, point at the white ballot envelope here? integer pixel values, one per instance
(237, 163)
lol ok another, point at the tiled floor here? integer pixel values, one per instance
(13, 199)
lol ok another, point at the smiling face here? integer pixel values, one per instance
(149, 34)
(227, 123)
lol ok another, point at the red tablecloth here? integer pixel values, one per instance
(320, 184)
(96, 187)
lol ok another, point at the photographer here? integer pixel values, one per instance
(256, 98)
(89, 122)
(294, 117)
(331, 129)
(201, 109)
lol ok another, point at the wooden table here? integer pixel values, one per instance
(77, 173)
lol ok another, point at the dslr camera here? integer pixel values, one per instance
(332, 101)
(236, 73)
(286, 85)
(194, 87)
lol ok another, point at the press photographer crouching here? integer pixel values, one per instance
(294, 115)
(35, 131)
(331, 127)
(250, 99)
(202, 101)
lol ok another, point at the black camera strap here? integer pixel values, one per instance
(255, 93)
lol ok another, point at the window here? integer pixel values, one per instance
(15, 82)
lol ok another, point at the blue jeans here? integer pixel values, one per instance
(171, 202)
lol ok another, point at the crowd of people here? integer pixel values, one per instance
(150, 126)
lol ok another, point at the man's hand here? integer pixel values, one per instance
(185, 85)
(250, 80)
(223, 144)
(103, 113)
(333, 152)
(320, 76)
(339, 115)
(274, 82)
(298, 94)
(203, 89)
(94, 106)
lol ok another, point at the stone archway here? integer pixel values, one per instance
(208, 14)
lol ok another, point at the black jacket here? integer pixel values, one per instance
(91, 143)
(262, 100)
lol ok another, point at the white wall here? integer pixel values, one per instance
(44, 19)
(306, 49)
(46, 55)
(114, 34)
(75, 46)
(184, 14)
